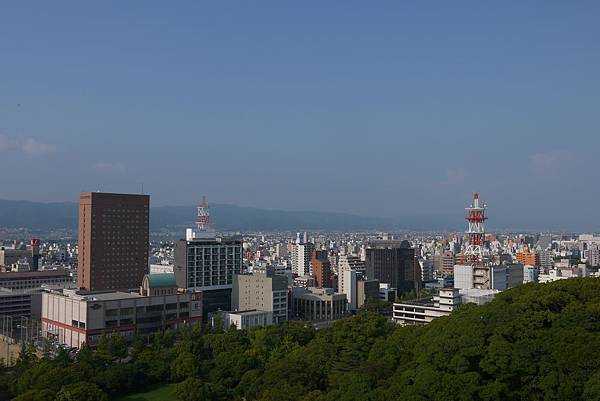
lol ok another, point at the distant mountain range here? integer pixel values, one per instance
(47, 216)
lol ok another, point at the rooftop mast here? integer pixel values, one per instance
(476, 232)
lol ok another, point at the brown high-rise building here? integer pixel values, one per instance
(321, 268)
(113, 241)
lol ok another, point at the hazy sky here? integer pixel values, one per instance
(378, 108)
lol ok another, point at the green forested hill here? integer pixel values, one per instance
(534, 342)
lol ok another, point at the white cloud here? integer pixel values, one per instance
(29, 146)
(106, 167)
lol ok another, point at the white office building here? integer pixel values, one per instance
(423, 312)
(301, 256)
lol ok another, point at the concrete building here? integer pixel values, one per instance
(593, 255)
(73, 317)
(321, 268)
(206, 263)
(346, 263)
(546, 261)
(427, 269)
(487, 277)
(358, 289)
(387, 293)
(514, 275)
(243, 320)
(463, 276)
(301, 256)
(393, 262)
(551, 276)
(366, 291)
(423, 312)
(34, 279)
(528, 257)
(113, 241)
(530, 274)
(21, 292)
(444, 262)
(348, 286)
(261, 292)
(318, 304)
(477, 296)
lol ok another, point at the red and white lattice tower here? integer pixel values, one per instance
(203, 215)
(476, 217)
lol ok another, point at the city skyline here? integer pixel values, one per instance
(403, 110)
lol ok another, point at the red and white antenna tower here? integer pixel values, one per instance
(203, 215)
(476, 218)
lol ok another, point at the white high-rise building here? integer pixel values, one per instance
(301, 255)
(348, 287)
(593, 255)
(349, 263)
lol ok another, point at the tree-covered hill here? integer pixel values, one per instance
(534, 342)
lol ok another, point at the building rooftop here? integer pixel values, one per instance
(249, 312)
(33, 274)
(97, 295)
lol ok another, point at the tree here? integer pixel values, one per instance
(82, 391)
(185, 366)
(194, 390)
(36, 395)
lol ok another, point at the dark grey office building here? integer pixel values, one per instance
(392, 262)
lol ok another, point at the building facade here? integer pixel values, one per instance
(393, 262)
(243, 320)
(316, 304)
(301, 257)
(74, 317)
(263, 292)
(207, 265)
(113, 241)
(321, 267)
(366, 291)
(423, 312)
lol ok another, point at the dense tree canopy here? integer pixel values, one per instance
(533, 342)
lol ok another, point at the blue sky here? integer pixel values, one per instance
(377, 108)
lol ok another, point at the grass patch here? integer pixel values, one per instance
(161, 392)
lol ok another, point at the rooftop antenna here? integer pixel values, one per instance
(203, 215)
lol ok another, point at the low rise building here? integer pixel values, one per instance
(318, 304)
(243, 320)
(21, 292)
(447, 301)
(425, 311)
(477, 296)
(74, 317)
(29, 280)
(387, 293)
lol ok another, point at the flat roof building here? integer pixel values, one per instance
(243, 320)
(318, 304)
(393, 262)
(207, 264)
(425, 311)
(261, 291)
(113, 241)
(74, 317)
